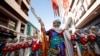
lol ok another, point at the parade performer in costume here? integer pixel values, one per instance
(17, 48)
(77, 42)
(35, 45)
(57, 44)
(93, 37)
(84, 44)
(27, 46)
(21, 50)
(6, 51)
(13, 47)
(73, 40)
(98, 38)
(90, 51)
(2, 45)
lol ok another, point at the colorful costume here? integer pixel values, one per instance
(27, 49)
(93, 44)
(5, 50)
(21, 51)
(57, 46)
(35, 46)
(2, 45)
(12, 49)
(98, 38)
(78, 44)
(17, 49)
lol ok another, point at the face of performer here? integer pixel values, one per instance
(15, 40)
(70, 31)
(55, 24)
(35, 37)
(9, 41)
(28, 38)
(86, 31)
(93, 29)
(21, 40)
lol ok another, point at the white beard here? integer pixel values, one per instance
(57, 29)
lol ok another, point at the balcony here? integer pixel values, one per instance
(26, 2)
(24, 8)
(17, 8)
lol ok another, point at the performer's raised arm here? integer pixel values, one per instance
(41, 22)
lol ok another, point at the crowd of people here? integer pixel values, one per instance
(86, 42)
(25, 47)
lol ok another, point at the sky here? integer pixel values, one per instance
(43, 9)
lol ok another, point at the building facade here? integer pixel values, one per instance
(14, 16)
(82, 14)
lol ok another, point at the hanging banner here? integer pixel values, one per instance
(55, 7)
(65, 4)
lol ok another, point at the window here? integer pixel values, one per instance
(85, 5)
(22, 28)
(75, 15)
(18, 1)
(12, 24)
(90, 3)
(22, 38)
(3, 20)
(28, 29)
(82, 11)
(24, 8)
(28, 1)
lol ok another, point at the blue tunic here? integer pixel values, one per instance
(56, 41)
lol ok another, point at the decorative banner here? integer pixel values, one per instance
(55, 7)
